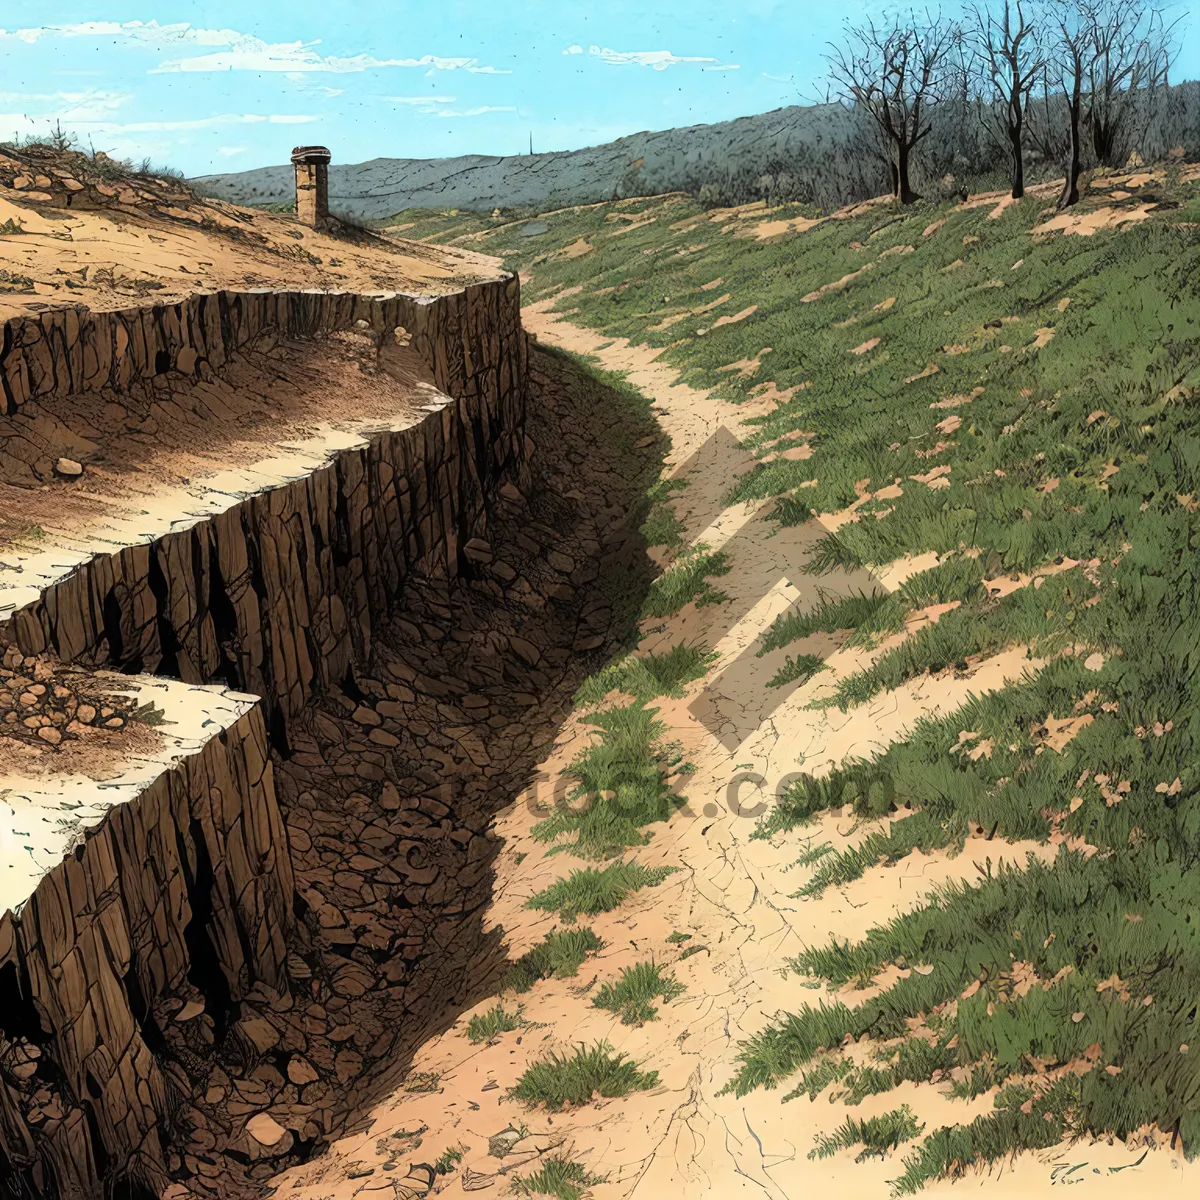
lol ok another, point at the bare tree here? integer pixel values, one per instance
(1130, 48)
(1011, 60)
(896, 73)
(1066, 65)
(1109, 59)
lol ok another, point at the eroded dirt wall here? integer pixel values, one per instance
(468, 337)
(190, 885)
(276, 595)
(136, 965)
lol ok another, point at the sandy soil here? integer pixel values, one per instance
(172, 454)
(50, 796)
(732, 894)
(153, 244)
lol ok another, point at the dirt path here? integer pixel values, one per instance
(730, 893)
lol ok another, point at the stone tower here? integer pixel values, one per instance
(312, 184)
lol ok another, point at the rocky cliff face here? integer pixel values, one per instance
(277, 594)
(188, 883)
(162, 964)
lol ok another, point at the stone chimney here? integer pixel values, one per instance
(312, 185)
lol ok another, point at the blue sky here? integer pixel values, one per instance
(221, 86)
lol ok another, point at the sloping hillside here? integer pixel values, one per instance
(642, 164)
(921, 663)
(818, 153)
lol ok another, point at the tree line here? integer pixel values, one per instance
(1065, 82)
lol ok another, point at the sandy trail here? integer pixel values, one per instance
(732, 894)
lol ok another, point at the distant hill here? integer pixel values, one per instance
(641, 164)
(820, 154)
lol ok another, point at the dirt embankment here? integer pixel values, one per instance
(74, 230)
(414, 569)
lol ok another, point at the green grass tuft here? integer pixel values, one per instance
(866, 785)
(560, 1177)
(486, 1027)
(687, 580)
(789, 511)
(990, 1138)
(558, 956)
(661, 526)
(560, 1079)
(876, 1135)
(799, 668)
(828, 616)
(448, 1160)
(588, 891)
(621, 786)
(646, 677)
(834, 553)
(638, 986)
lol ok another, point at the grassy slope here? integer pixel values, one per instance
(1077, 444)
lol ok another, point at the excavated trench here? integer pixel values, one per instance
(230, 968)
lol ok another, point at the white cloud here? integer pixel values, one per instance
(251, 54)
(430, 106)
(305, 86)
(149, 32)
(23, 123)
(659, 60)
(573, 50)
(68, 106)
(235, 51)
(724, 67)
(231, 151)
(478, 111)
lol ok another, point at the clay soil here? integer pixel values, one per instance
(164, 440)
